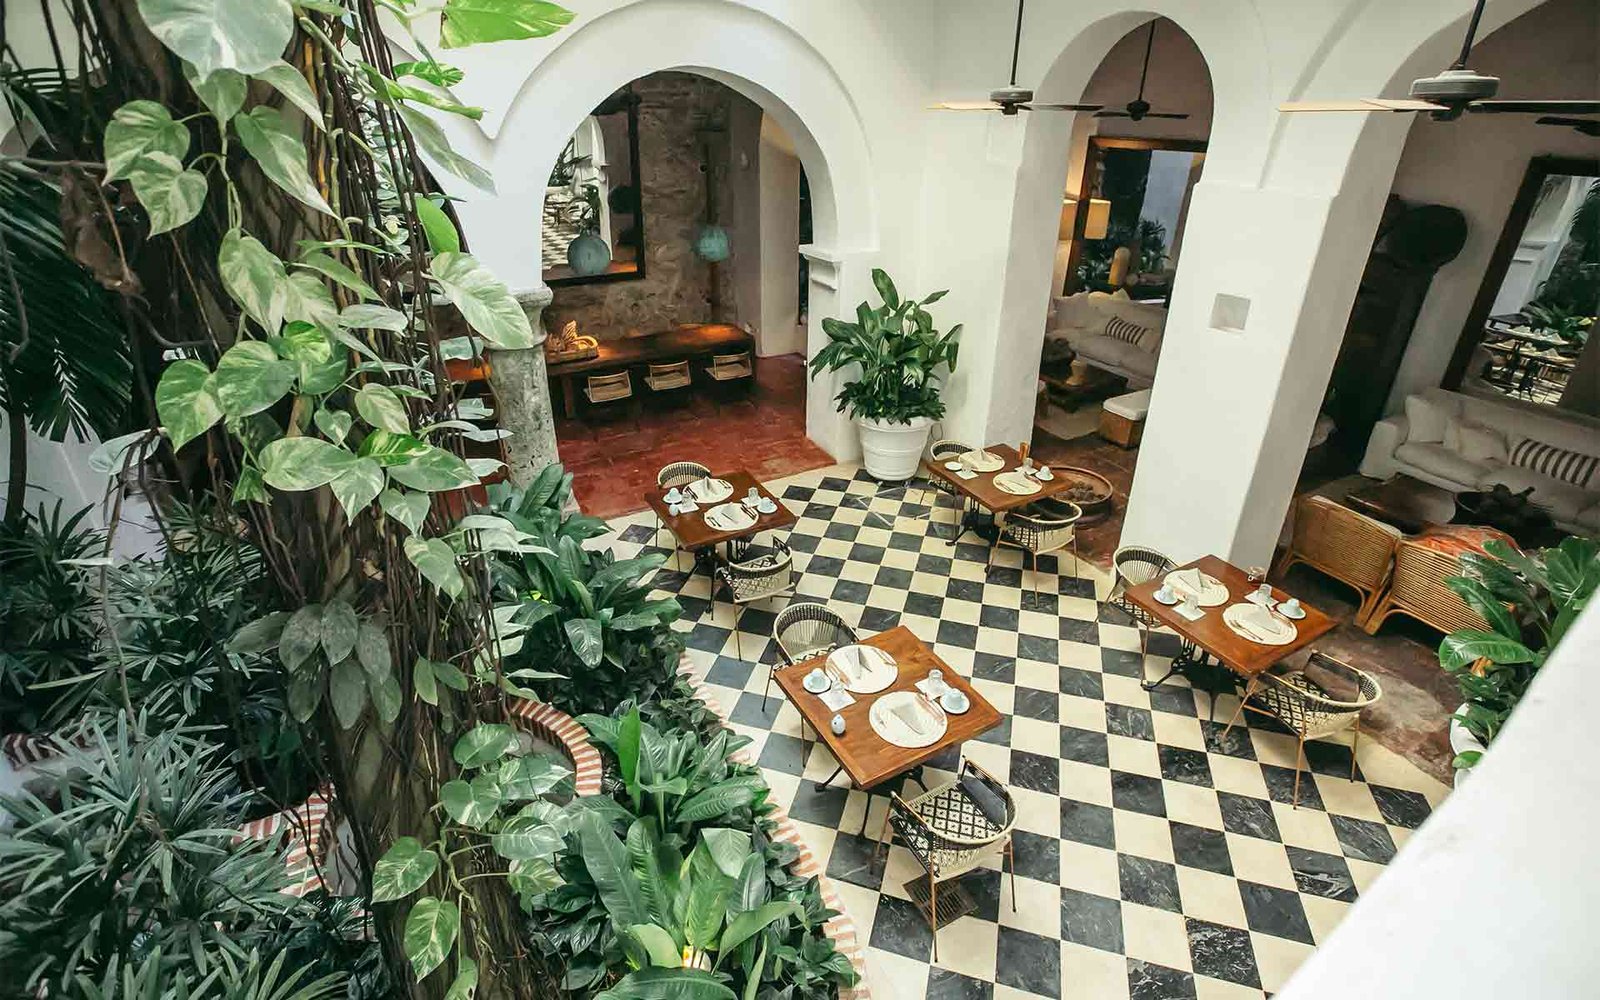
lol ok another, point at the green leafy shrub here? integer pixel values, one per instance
(134, 855)
(676, 886)
(49, 618)
(589, 617)
(1529, 601)
(899, 353)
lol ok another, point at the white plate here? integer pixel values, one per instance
(1017, 484)
(710, 490)
(1159, 600)
(945, 700)
(816, 688)
(1257, 624)
(880, 673)
(891, 717)
(729, 517)
(953, 466)
(1210, 595)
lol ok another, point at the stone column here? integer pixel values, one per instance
(522, 392)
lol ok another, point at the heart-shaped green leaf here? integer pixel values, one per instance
(436, 561)
(408, 508)
(485, 302)
(347, 691)
(430, 933)
(339, 625)
(380, 407)
(404, 868)
(171, 195)
(255, 277)
(251, 378)
(289, 82)
(434, 470)
(483, 744)
(243, 35)
(137, 130)
(223, 91)
(303, 463)
(358, 487)
(471, 803)
(280, 153)
(186, 401)
(469, 22)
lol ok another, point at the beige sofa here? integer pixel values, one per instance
(1462, 442)
(1109, 331)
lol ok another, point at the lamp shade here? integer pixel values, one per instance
(1094, 227)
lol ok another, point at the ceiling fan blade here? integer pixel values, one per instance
(1359, 104)
(964, 106)
(1166, 114)
(1536, 107)
(1066, 107)
(1588, 126)
(1111, 114)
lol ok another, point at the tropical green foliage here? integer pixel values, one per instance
(133, 856)
(900, 356)
(589, 618)
(1571, 293)
(679, 888)
(498, 806)
(1529, 601)
(49, 617)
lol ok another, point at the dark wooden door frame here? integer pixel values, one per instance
(1539, 168)
(1091, 157)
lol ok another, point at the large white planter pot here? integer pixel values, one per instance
(893, 451)
(1462, 740)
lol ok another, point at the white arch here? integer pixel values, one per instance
(748, 50)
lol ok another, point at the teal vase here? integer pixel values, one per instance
(588, 255)
(711, 243)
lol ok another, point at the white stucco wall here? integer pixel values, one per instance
(1494, 896)
(779, 331)
(1476, 165)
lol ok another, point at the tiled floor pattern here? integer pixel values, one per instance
(1155, 859)
(614, 457)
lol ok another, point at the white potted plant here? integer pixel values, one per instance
(895, 400)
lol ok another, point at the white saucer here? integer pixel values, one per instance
(944, 703)
(1044, 477)
(767, 507)
(1159, 600)
(1296, 615)
(815, 688)
(953, 466)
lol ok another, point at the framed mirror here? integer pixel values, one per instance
(593, 216)
(1528, 334)
(1137, 192)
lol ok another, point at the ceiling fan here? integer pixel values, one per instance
(1139, 108)
(1010, 99)
(1459, 90)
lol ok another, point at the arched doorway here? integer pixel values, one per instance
(773, 67)
(671, 236)
(1123, 213)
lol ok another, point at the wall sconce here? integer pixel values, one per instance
(1094, 227)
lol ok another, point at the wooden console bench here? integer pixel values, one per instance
(691, 341)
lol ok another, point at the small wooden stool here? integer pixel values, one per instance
(1122, 418)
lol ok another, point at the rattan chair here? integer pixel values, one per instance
(1350, 547)
(665, 378)
(601, 390)
(1133, 565)
(806, 630)
(942, 451)
(679, 474)
(1042, 527)
(949, 834)
(1418, 589)
(1322, 699)
(752, 573)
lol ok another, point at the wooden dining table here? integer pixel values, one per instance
(697, 535)
(1209, 638)
(866, 757)
(982, 491)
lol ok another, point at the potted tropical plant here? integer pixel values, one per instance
(1529, 601)
(895, 400)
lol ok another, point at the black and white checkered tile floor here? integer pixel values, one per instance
(1154, 858)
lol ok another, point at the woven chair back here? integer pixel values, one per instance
(681, 474)
(805, 630)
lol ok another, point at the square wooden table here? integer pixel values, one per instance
(865, 756)
(691, 529)
(981, 490)
(1212, 636)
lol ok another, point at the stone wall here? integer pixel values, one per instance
(675, 109)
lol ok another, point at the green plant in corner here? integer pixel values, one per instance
(1529, 601)
(900, 354)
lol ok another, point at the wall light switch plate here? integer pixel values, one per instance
(1229, 312)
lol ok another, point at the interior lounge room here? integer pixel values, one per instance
(713, 499)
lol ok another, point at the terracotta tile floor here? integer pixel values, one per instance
(760, 428)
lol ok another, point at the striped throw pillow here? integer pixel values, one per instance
(1558, 463)
(1118, 328)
